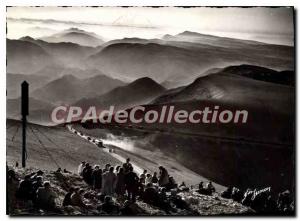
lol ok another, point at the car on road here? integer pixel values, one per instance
(99, 143)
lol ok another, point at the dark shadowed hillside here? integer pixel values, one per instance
(263, 74)
(140, 91)
(69, 89)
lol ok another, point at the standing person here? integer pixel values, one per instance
(163, 177)
(154, 178)
(131, 181)
(80, 168)
(87, 174)
(120, 186)
(97, 178)
(127, 166)
(117, 169)
(109, 183)
(106, 168)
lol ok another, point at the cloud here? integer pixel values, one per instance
(53, 21)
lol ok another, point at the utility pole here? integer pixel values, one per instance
(24, 113)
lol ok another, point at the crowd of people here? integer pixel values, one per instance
(31, 189)
(263, 201)
(116, 190)
(126, 185)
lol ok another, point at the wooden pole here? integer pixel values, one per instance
(24, 113)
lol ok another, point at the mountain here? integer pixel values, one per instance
(39, 111)
(59, 71)
(263, 74)
(159, 62)
(67, 53)
(194, 37)
(13, 83)
(265, 102)
(181, 61)
(77, 36)
(132, 41)
(26, 57)
(140, 91)
(68, 89)
(225, 152)
(232, 88)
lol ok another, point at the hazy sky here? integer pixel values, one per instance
(271, 25)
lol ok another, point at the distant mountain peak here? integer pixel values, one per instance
(75, 35)
(69, 77)
(75, 29)
(26, 38)
(194, 34)
(189, 33)
(144, 80)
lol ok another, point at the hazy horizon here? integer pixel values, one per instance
(269, 25)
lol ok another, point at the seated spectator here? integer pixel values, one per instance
(172, 184)
(67, 199)
(227, 193)
(150, 194)
(178, 201)
(284, 200)
(182, 184)
(210, 188)
(237, 194)
(12, 184)
(270, 206)
(131, 209)
(35, 186)
(109, 207)
(25, 189)
(46, 197)
(58, 170)
(76, 198)
(148, 178)
(143, 175)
